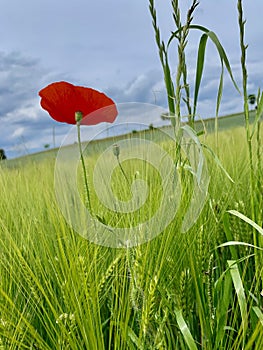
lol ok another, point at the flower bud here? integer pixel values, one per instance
(116, 150)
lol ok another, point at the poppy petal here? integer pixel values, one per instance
(62, 99)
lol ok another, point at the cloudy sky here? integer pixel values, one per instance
(109, 46)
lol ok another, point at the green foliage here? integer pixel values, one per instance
(178, 291)
(174, 89)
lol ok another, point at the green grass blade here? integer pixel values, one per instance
(135, 340)
(239, 288)
(216, 42)
(256, 339)
(199, 68)
(259, 314)
(220, 90)
(246, 219)
(232, 243)
(185, 330)
(218, 99)
(169, 88)
(216, 159)
(223, 285)
(220, 50)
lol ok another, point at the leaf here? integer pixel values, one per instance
(185, 330)
(220, 50)
(238, 285)
(246, 219)
(134, 338)
(223, 290)
(169, 88)
(200, 62)
(216, 159)
(259, 313)
(232, 243)
(199, 68)
(220, 90)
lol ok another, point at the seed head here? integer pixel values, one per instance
(116, 150)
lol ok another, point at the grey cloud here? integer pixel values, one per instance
(19, 77)
(20, 80)
(145, 88)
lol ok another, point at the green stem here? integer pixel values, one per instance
(84, 169)
(122, 170)
(243, 47)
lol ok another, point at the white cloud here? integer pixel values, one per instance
(18, 132)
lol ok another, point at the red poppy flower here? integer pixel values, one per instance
(62, 100)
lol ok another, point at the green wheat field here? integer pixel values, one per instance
(188, 290)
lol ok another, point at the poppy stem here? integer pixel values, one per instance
(84, 169)
(122, 170)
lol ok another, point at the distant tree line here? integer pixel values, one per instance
(2, 154)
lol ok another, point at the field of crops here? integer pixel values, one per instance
(178, 290)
